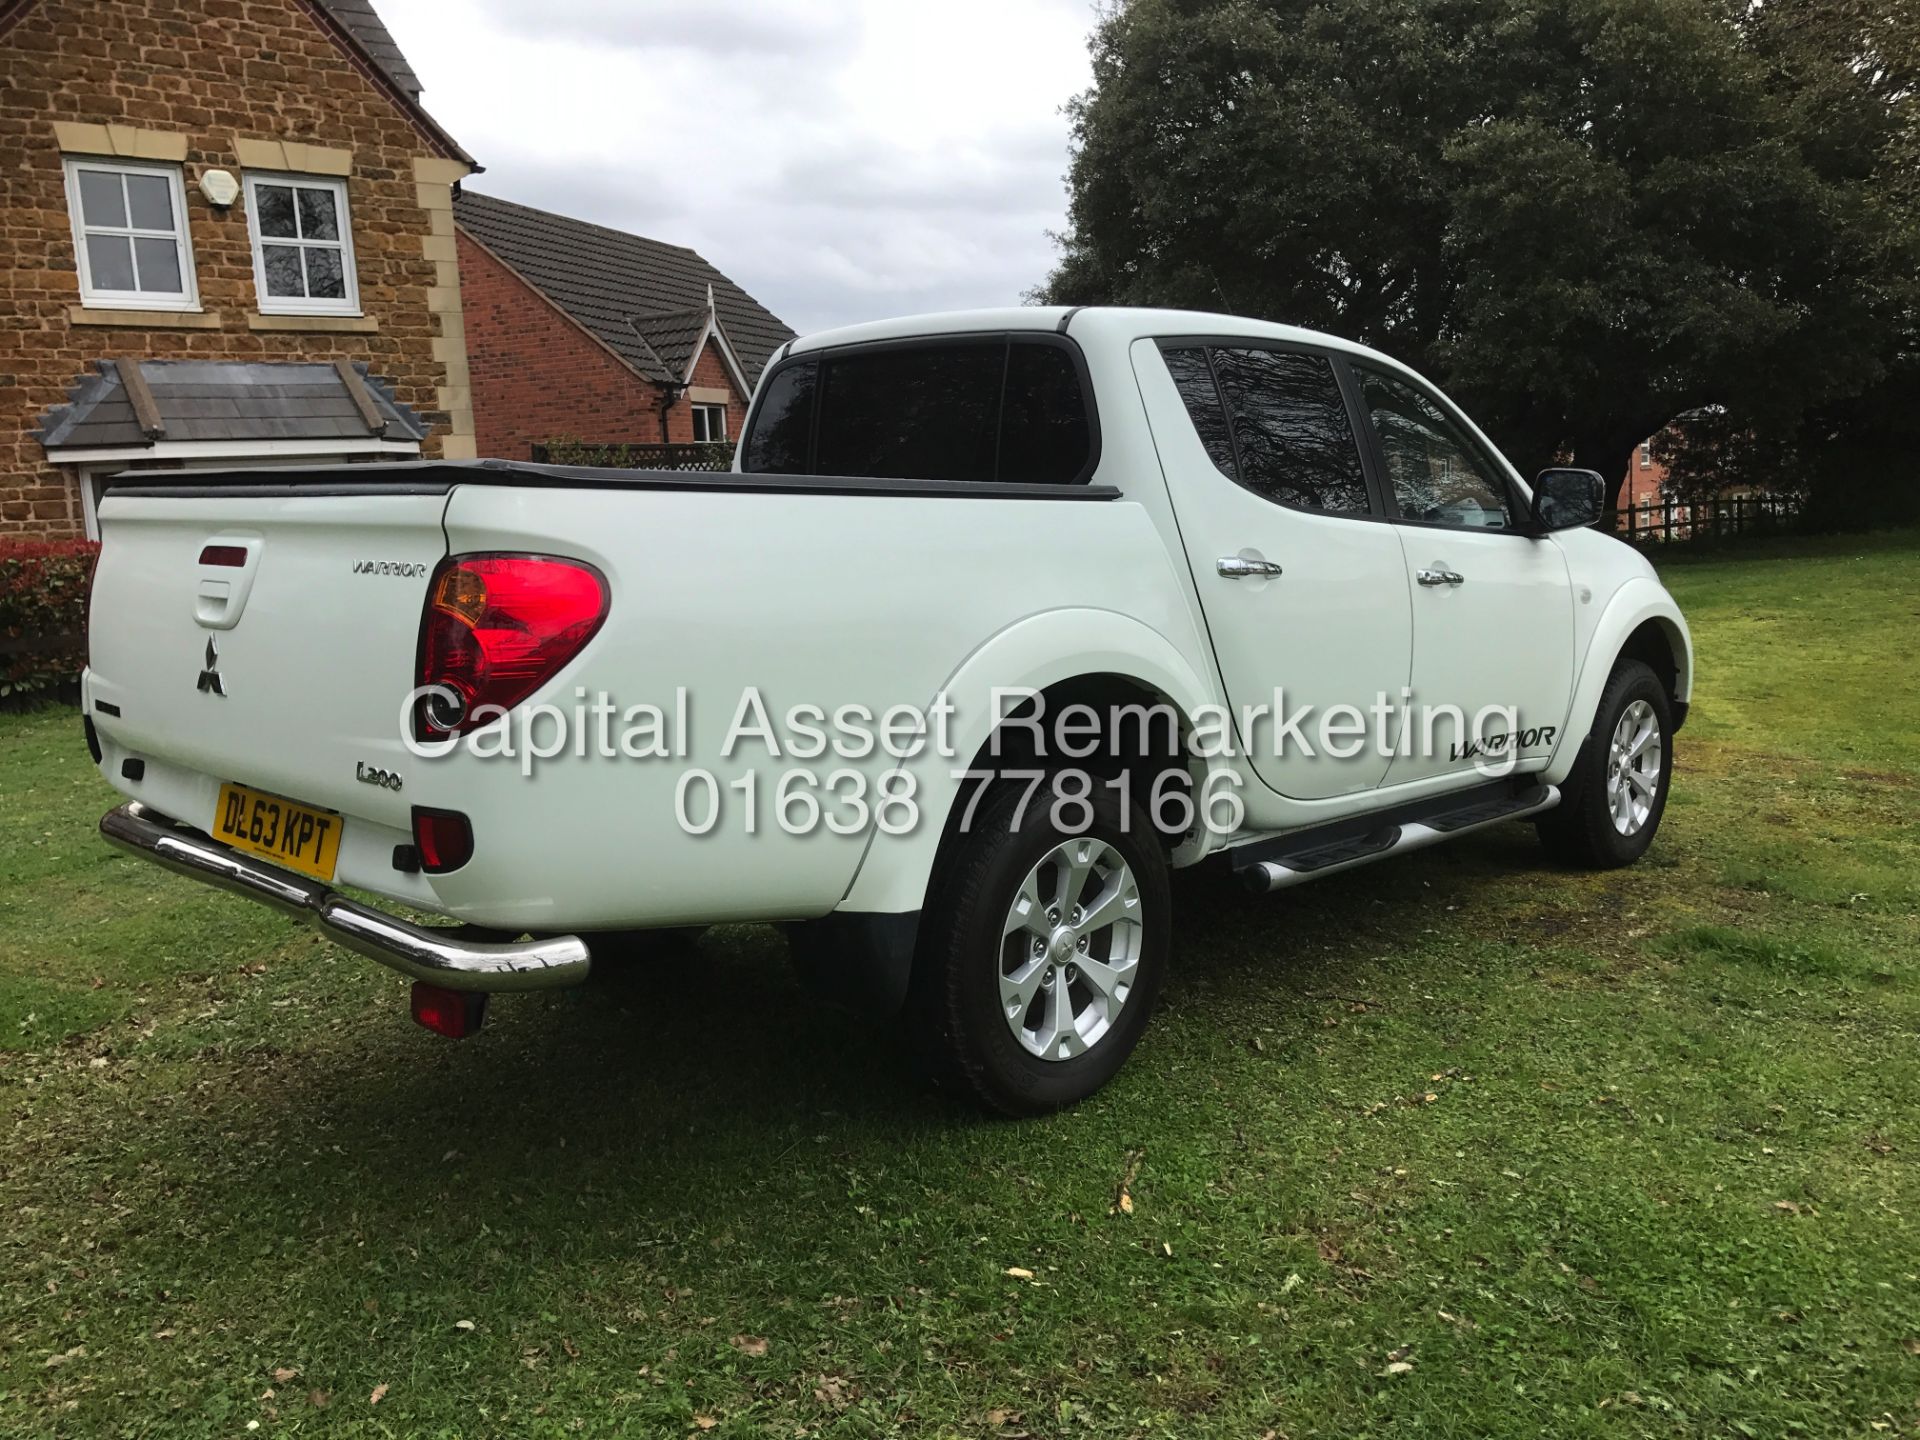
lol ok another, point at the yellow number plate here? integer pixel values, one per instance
(296, 836)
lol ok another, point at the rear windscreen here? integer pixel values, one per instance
(987, 408)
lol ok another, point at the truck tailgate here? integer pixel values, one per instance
(264, 637)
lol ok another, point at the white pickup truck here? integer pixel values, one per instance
(999, 617)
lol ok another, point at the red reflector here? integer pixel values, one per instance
(234, 555)
(455, 1014)
(497, 628)
(444, 839)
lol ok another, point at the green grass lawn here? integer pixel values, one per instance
(1460, 1145)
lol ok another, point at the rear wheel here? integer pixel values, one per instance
(1611, 804)
(1043, 951)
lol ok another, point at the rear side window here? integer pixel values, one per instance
(987, 409)
(1291, 438)
(1194, 376)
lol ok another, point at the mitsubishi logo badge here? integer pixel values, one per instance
(210, 682)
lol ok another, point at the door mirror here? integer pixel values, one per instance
(1565, 499)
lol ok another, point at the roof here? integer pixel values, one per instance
(645, 300)
(358, 19)
(223, 400)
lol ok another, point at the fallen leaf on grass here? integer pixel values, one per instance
(1123, 1192)
(1911, 1346)
(1019, 1272)
(463, 1324)
(1400, 1354)
(704, 1422)
(835, 1393)
(284, 1374)
(1398, 1367)
(379, 1394)
(78, 1352)
(319, 1399)
(749, 1344)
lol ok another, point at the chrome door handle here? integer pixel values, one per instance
(1238, 567)
(1440, 577)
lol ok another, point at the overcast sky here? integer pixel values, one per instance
(842, 160)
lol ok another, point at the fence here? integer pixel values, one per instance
(620, 455)
(1734, 515)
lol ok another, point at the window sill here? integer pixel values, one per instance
(340, 324)
(144, 319)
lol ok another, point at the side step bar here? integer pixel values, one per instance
(440, 957)
(1296, 868)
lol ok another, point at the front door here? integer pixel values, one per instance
(1301, 581)
(1492, 605)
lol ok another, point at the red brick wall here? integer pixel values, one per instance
(710, 372)
(213, 70)
(537, 376)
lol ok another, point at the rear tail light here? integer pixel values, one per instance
(455, 1014)
(443, 839)
(230, 555)
(497, 628)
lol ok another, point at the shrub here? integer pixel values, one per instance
(43, 615)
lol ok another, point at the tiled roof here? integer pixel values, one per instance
(645, 300)
(223, 400)
(358, 19)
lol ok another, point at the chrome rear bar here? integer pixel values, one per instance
(422, 953)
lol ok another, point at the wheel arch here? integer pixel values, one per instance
(1092, 657)
(1641, 622)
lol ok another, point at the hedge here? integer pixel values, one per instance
(43, 616)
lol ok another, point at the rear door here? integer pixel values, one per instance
(1301, 581)
(265, 634)
(1492, 604)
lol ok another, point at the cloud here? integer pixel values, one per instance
(723, 28)
(841, 159)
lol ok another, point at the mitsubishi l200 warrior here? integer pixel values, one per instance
(999, 617)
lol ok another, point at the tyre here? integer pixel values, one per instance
(1611, 804)
(1042, 951)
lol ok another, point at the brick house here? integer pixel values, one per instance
(230, 236)
(575, 331)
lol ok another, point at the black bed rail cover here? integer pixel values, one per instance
(430, 477)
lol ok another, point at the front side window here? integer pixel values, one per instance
(709, 424)
(130, 236)
(1437, 475)
(302, 246)
(962, 409)
(1275, 421)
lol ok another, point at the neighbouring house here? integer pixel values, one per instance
(230, 241)
(579, 332)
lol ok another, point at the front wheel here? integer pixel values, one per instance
(1043, 951)
(1612, 802)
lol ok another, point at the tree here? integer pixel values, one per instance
(1582, 217)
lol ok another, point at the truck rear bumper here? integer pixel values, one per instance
(439, 957)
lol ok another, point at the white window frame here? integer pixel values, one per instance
(102, 299)
(302, 305)
(709, 405)
(1646, 454)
